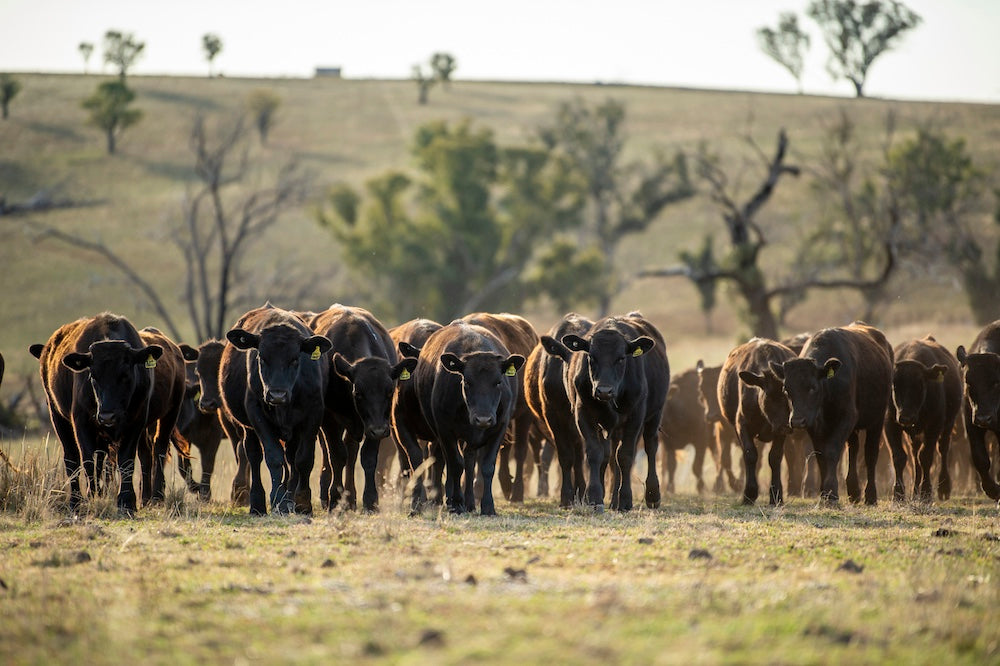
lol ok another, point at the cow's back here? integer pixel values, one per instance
(354, 332)
(987, 340)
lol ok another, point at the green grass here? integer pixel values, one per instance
(199, 582)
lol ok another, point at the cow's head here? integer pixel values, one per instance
(206, 370)
(116, 371)
(373, 381)
(805, 384)
(771, 398)
(610, 354)
(910, 381)
(708, 386)
(486, 378)
(281, 350)
(555, 348)
(982, 386)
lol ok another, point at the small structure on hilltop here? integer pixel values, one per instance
(327, 72)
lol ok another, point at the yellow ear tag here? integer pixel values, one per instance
(940, 377)
(316, 354)
(829, 373)
(404, 375)
(150, 362)
(197, 396)
(637, 352)
(511, 371)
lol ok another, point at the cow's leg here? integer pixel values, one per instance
(923, 456)
(127, 449)
(369, 463)
(353, 448)
(326, 467)
(726, 454)
(873, 439)
(624, 461)
(715, 448)
(71, 456)
(944, 475)
(651, 444)
(411, 457)
(749, 448)
(146, 457)
(853, 482)
(487, 468)
(795, 459)
(981, 459)
(274, 458)
(831, 449)
(209, 451)
(304, 460)
(698, 466)
(383, 466)
(597, 451)
(894, 435)
(774, 457)
(544, 451)
(255, 456)
(453, 460)
(184, 467)
(670, 463)
(520, 427)
(240, 493)
(503, 470)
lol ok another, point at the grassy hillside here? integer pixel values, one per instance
(345, 130)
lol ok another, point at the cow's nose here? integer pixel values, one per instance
(797, 422)
(604, 393)
(107, 419)
(379, 432)
(208, 406)
(983, 421)
(483, 422)
(277, 397)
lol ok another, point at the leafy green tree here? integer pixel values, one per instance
(263, 105)
(424, 83)
(86, 49)
(109, 110)
(786, 44)
(211, 44)
(943, 192)
(122, 50)
(443, 65)
(9, 87)
(470, 231)
(859, 32)
(622, 198)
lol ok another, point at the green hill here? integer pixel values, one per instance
(346, 130)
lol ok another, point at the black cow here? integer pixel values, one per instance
(840, 384)
(98, 378)
(618, 378)
(981, 372)
(409, 427)
(200, 420)
(359, 395)
(164, 407)
(273, 380)
(546, 395)
(466, 384)
(753, 401)
(926, 397)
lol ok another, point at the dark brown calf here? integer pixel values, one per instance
(754, 403)
(981, 372)
(926, 397)
(839, 385)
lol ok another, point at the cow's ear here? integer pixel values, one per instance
(640, 346)
(935, 373)
(189, 353)
(147, 356)
(404, 369)
(778, 369)
(829, 368)
(406, 350)
(242, 339)
(78, 362)
(343, 367)
(316, 346)
(452, 363)
(36, 350)
(555, 348)
(512, 364)
(576, 343)
(961, 355)
(751, 378)
(699, 366)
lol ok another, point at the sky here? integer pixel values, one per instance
(954, 55)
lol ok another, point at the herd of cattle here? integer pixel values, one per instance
(454, 398)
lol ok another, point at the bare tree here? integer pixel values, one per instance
(742, 265)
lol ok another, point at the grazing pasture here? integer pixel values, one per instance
(698, 580)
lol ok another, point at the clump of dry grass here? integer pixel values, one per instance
(32, 485)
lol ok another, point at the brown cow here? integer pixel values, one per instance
(546, 395)
(519, 337)
(754, 403)
(98, 378)
(839, 385)
(169, 379)
(981, 372)
(926, 397)
(723, 434)
(684, 423)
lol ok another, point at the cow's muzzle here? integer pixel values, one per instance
(604, 393)
(484, 422)
(276, 396)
